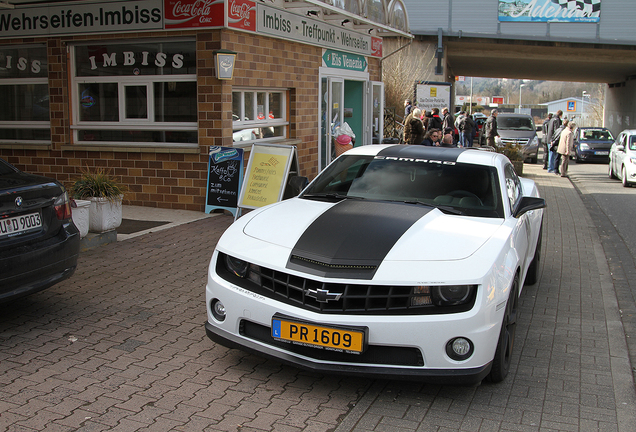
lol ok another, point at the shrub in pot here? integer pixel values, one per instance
(105, 193)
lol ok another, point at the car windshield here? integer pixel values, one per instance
(515, 123)
(596, 135)
(454, 188)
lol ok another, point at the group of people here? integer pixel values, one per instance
(430, 129)
(558, 142)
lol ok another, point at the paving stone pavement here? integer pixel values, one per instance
(121, 346)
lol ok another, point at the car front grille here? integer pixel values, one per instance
(515, 141)
(373, 355)
(324, 297)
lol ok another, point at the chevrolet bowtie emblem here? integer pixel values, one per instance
(323, 295)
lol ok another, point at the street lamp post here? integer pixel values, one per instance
(520, 87)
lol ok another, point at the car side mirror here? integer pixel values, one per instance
(539, 128)
(620, 147)
(529, 203)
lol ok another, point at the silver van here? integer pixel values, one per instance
(519, 129)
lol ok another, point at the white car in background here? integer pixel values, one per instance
(397, 261)
(622, 158)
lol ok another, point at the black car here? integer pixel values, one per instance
(593, 144)
(39, 244)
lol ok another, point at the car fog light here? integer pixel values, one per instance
(459, 348)
(218, 310)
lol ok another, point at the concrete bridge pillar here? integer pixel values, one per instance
(620, 106)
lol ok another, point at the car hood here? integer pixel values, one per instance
(357, 232)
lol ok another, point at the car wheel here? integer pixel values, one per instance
(624, 177)
(503, 353)
(533, 270)
(610, 171)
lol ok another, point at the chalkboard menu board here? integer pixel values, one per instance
(225, 177)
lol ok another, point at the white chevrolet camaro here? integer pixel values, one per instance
(397, 261)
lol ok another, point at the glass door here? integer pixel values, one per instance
(332, 107)
(375, 113)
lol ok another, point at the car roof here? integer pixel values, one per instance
(444, 154)
(513, 115)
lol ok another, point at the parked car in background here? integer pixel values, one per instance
(519, 129)
(622, 158)
(397, 261)
(592, 144)
(479, 124)
(39, 244)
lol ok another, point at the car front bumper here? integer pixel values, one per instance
(593, 155)
(399, 346)
(37, 266)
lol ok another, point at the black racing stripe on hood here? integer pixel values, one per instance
(444, 154)
(352, 238)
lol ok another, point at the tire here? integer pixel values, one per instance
(503, 354)
(624, 177)
(610, 172)
(532, 277)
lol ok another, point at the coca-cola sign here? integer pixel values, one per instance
(241, 14)
(376, 47)
(193, 13)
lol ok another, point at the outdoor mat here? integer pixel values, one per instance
(130, 226)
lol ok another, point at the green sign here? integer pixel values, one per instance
(342, 60)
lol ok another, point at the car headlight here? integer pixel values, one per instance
(242, 269)
(584, 146)
(535, 141)
(633, 160)
(442, 295)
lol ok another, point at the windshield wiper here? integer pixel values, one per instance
(330, 196)
(450, 210)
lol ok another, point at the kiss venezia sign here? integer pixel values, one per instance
(151, 15)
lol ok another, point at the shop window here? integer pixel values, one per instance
(142, 93)
(259, 115)
(24, 92)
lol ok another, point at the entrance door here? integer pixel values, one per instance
(332, 116)
(374, 132)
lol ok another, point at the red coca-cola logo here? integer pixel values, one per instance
(242, 14)
(198, 8)
(376, 47)
(193, 13)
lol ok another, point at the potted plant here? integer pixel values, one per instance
(80, 210)
(105, 194)
(512, 152)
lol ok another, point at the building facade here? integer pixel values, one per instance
(139, 87)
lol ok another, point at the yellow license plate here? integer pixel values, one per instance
(346, 339)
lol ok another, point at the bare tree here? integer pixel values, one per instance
(400, 70)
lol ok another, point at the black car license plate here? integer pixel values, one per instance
(346, 339)
(20, 224)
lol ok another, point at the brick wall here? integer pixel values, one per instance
(173, 178)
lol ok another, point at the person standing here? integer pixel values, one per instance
(566, 146)
(448, 122)
(407, 124)
(466, 132)
(435, 122)
(491, 128)
(546, 142)
(415, 127)
(408, 107)
(555, 157)
(554, 124)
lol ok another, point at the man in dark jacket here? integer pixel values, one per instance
(491, 128)
(467, 125)
(435, 122)
(546, 143)
(554, 124)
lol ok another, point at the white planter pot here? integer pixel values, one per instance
(81, 216)
(105, 215)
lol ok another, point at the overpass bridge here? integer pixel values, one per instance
(592, 41)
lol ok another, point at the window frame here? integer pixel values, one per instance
(27, 124)
(128, 124)
(240, 125)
